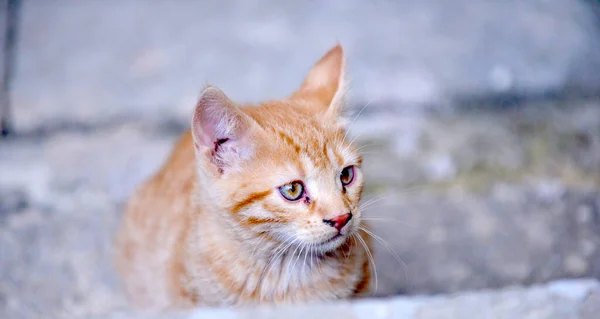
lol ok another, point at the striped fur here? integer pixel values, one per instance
(210, 227)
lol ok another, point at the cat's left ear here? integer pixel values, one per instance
(326, 83)
(222, 133)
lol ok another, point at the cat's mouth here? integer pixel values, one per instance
(335, 240)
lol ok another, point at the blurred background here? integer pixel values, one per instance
(481, 130)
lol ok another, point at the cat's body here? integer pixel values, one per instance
(256, 204)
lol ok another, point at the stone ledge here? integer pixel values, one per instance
(555, 300)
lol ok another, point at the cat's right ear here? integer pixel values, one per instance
(326, 83)
(221, 132)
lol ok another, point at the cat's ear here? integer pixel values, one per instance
(326, 83)
(222, 133)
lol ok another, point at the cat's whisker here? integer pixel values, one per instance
(271, 260)
(292, 259)
(282, 257)
(262, 238)
(345, 252)
(280, 248)
(323, 275)
(355, 118)
(372, 152)
(302, 270)
(293, 270)
(276, 257)
(390, 194)
(311, 257)
(371, 259)
(374, 198)
(306, 254)
(389, 247)
(356, 137)
(368, 218)
(311, 266)
(358, 149)
(370, 202)
(377, 199)
(299, 255)
(368, 208)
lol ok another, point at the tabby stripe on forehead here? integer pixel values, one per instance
(251, 199)
(290, 141)
(325, 151)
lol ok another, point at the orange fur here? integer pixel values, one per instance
(211, 227)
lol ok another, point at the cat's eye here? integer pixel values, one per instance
(347, 175)
(292, 191)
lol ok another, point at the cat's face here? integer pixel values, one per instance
(283, 171)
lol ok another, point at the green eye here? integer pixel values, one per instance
(347, 176)
(292, 191)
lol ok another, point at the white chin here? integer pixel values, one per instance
(332, 243)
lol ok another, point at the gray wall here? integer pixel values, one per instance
(89, 61)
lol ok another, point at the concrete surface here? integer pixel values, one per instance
(556, 300)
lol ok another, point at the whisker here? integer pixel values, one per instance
(262, 237)
(358, 149)
(367, 203)
(356, 137)
(268, 266)
(288, 271)
(368, 218)
(354, 120)
(276, 257)
(311, 257)
(374, 199)
(370, 202)
(371, 259)
(303, 272)
(346, 254)
(389, 247)
(323, 276)
(297, 258)
(306, 254)
(372, 153)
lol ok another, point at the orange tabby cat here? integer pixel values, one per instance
(256, 204)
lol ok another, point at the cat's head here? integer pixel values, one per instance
(283, 171)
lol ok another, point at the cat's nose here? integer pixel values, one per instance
(339, 222)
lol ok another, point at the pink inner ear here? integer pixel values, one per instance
(221, 131)
(204, 127)
(214, 119)
(200, 137)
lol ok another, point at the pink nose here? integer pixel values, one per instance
(339, 221)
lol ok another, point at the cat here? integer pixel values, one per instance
(255, 205)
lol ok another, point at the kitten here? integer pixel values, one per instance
(256, 204)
